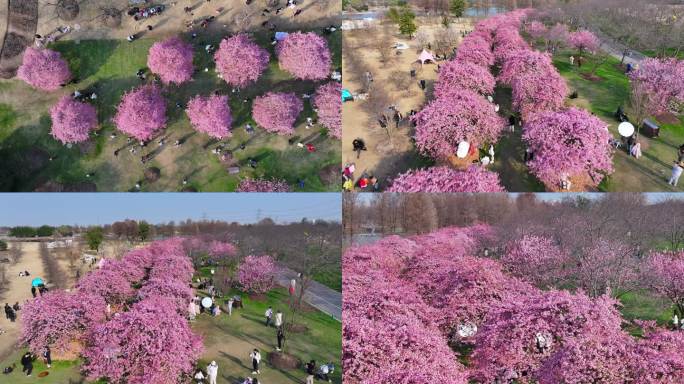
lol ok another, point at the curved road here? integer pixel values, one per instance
(318, 296)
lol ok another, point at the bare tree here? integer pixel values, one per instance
(421, 214)
(350, 205)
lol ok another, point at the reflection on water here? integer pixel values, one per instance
(366, 238)
(476, 8)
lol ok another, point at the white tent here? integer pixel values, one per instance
(425, 56)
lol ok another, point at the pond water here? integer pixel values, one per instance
(477, 8)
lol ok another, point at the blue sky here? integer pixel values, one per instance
(102, 208)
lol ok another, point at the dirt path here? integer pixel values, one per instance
(19, 290)
(230, 15)
(382, 159)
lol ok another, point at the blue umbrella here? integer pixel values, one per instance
(37, 282)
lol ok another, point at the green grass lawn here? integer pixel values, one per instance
(229, 340)
(647, 174)
(34, 158)
(643, 305)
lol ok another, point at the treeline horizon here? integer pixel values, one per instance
(627, 215)
(130, 229)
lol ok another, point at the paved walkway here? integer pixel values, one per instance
(318, 295)
(633, 57)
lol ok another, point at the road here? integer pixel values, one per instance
(318, 295)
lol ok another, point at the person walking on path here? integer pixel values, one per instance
(27, 363)
(281, 336)
(47, 356)
(677, 170)
(8, 310)
(279, 319)
(212, 372)
(269, 316)
(256, 359)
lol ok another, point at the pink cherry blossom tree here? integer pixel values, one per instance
(210, 115)
(59, 318)
(520, 335)
(72, 120)
(221, 249)
(536, 30)
(658, 357)
(446, 179)
(508, 41)
(277, 112)
(663, 82)
(537, 86)
(141, 113)
(256, 274)
(475, 50)
(171, 59)
(262, 185)
(593, 357)
(44, 69)
(662, 273)
(305, 55)
(464, 75)
(328, 103)
(149, 344)
(557, 36)
(568, 143)
(113, 287)
(584, 40)
(462, 116)
(537, 259)
(175, 291)
(240, 61)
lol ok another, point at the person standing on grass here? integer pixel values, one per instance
(47, 356)
(281, 336)
(212, 372)
(676, 174)
(310, 371)
(256, 359)
(27, 363)
(230, 306)
(279, 319)
(269, 316)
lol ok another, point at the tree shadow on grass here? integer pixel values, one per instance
(86, 57)
(109, 93)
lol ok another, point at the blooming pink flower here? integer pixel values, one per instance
(571, 142)
(457, 74)
(277, 112)
(72, 120)
(141, 113)
(305, 55)
(44, 69)
(171, 59)
(261, 185)
(445, 179)
(461, 116)
(210, 115)
(240, 61)
(256, 274)
(328, 102)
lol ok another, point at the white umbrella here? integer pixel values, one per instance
(626, 129)
(206, 302)
(463, 149)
